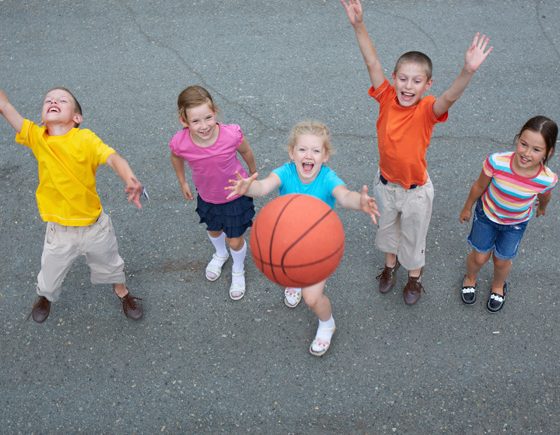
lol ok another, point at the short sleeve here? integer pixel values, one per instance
(237, 134)
(282, 172)
(553, 183)
(430, 100)
(173, 142)
(377, 94)
(333, 180)
(488, 166)
(101, 150)
(28, 130)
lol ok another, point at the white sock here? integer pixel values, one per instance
(219, 244)
(239, 258)
(325, 328)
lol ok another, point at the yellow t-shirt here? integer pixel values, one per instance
(67, 165)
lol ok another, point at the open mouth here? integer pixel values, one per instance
(53, 109)
(407, 96)
(307, 167)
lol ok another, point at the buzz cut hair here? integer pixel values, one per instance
(418, 58)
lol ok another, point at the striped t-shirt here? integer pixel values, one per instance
(510, 198)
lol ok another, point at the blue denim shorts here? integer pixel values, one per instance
(486, 235)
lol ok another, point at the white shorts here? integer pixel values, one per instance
(404, 221)
(97, 242)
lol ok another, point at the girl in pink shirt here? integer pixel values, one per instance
(210, 148)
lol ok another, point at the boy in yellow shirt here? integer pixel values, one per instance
(67, 159)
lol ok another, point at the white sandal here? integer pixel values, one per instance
(322, 341)
(237, 288)
(292, 296)
(214, 268)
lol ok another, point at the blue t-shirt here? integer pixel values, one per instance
(322, 187)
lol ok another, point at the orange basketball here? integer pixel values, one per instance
(297, 240)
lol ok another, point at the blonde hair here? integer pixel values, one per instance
(315, 128)
(194, 96)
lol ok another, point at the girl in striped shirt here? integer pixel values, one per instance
(511, 186)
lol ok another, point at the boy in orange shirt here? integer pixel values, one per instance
(67, 159)
(404, 127)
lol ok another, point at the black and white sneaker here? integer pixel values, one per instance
(496, 301)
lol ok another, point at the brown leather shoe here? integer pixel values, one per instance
(41, 309)
(387, 278)
(132, 309)
(413, 290)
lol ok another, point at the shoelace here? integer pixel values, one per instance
(386, 273)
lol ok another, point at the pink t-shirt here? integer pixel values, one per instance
(213, 166)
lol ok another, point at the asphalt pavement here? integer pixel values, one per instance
(201, 363)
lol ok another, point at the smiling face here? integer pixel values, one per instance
(202, 124)
(308, 154)
(60, 108)
(530, 152)
(410, 81)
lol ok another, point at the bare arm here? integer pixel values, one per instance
(356, 200)
(248, 156)
(179, 166)
(369, 53)
(542, 200)
(477, 189)
(10, 113)
(251, 186)
(133, 187)
(477, 53)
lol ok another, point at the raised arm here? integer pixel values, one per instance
(251, 186)
(10, 113)
(356, 201)
(133, 187)
(477, 53)
(477, 189)
(355, 15)
(179, 166)
(247, 154)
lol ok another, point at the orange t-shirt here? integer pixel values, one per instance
(403, 136)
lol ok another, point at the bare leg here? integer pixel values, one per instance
(317, 301)
(390, 259)
(475, 261)
(501, 272)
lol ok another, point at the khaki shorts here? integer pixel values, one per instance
(403, 224)
(64, 244)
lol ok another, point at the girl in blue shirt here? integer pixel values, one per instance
(309, 149)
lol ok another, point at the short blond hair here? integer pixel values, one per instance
(315, 128)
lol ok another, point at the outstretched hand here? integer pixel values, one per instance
(477, 52)
(353, 10)
(368, 204)
(133, 190)
(240, 185)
